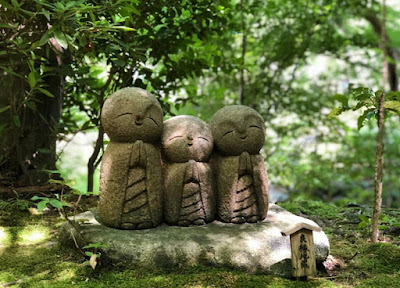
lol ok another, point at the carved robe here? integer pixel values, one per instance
(242, 187)
(131, 186)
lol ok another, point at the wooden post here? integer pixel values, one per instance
(302, 248)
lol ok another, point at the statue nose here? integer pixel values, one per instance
(190, 140)
(138, 119)
(241, 129)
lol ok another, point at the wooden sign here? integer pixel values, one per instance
(302, 248)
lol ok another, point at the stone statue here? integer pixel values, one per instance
(241, 176)
(186, 146)
(131, 176)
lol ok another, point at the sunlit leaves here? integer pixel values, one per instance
(367, 99)
(335, 112)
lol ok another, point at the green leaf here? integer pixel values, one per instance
(362, 93)
(16, 120)
(5, 25)
(66, 204)
(61, 39)
(383, 227)
(88, 253)
(125, 28)
(15, 3)
(363, 117)
(55, 203)
(5, 108)
(32, 79)
(46, 14)
(31, 105)
(45, 38)
(342, 99)
(364, 218)
(46, 92)
(134, 10)
(56, 181)
(384, 218)
(392, 105)
(42, 205)
(335, 112)
(86, 125)
(52, 171)
(362, 225)
(392, 95)
(5, 4)
(34, 198)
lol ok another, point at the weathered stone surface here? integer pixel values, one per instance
(237, 129)
(187, 144)
(130, 176)
(256, 247)
(186, 138)
(239, 170)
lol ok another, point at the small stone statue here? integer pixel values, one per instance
(241, 176)
(131, 176)
(187, 144)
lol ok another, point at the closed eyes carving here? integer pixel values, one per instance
(151, 118)
(203, 138)
(228, 132)
(123, 114)
(175, 137)
(129, 113)
(255, 126)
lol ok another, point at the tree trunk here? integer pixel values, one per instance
(378, 177)
(28, 144)
(378, 170)
(380, 30)
(93, 162)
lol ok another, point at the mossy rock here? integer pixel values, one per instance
(256, 248)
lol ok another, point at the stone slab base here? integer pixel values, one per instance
(256, 248)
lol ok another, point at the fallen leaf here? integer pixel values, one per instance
(93, 261)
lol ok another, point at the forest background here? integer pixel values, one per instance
(289, 60)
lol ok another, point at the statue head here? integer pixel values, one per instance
(186, 138)
(237, 129)
(132, 114)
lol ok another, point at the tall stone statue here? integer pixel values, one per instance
(130, 176)
(187, 144)
(241, 176)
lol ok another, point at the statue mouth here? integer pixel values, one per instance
(243, 137)
(138, 123)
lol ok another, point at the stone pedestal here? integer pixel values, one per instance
(258, 247)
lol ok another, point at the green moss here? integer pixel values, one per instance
(318, 209)
(39, 263)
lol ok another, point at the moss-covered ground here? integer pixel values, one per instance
(31, 257)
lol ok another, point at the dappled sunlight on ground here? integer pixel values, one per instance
(4, 237)
(31, 235)
(66, 274)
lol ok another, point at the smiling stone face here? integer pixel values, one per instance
(186, 138)
(132, 114)
(237, 129)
